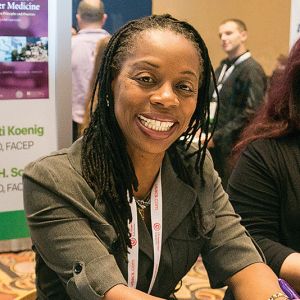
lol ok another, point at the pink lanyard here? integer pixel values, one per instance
(156, 224)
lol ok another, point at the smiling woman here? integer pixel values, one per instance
(127, 210)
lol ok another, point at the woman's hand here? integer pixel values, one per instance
(290, 271)
(256, 281)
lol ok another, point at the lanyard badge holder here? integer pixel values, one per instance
(156, 224)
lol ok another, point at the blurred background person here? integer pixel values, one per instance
(241, 85)
(281, 62)
(91, 18)
(264, 187)
(74, 30)
(98, 58)
(279, 66)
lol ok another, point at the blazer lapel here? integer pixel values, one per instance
(178, 200)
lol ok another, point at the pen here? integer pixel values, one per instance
(288, 290)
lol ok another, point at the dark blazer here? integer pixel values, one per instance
(78, 255)
(240, 97)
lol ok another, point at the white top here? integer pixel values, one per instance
(83, 56)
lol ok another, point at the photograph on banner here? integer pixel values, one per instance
(24, 50)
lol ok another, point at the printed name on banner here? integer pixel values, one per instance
(14, 172)
(11, 187)
(15, 131)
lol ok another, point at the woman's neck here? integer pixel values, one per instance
(146, 169)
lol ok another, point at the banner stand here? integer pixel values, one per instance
(49, 118)
(15, 245)
(63, 73)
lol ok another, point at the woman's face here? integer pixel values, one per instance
(155, 93)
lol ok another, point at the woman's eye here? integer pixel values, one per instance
(185, 87)
(146, 79)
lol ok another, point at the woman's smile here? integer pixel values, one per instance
(155, 127)
(155, 124)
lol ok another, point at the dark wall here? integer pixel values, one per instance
(120, 12)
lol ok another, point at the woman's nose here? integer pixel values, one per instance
(165, 96)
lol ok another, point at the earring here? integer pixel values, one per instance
(107, 101)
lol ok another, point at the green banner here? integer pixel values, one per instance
(13, 225)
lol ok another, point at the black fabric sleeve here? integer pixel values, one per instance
(253, 192)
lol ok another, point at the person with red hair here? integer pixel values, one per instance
(264, 186)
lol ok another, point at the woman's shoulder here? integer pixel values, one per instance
(53, 160)
(273, 153)
(58, 165)
(288, 142)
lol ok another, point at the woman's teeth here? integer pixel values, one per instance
(155, 125)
